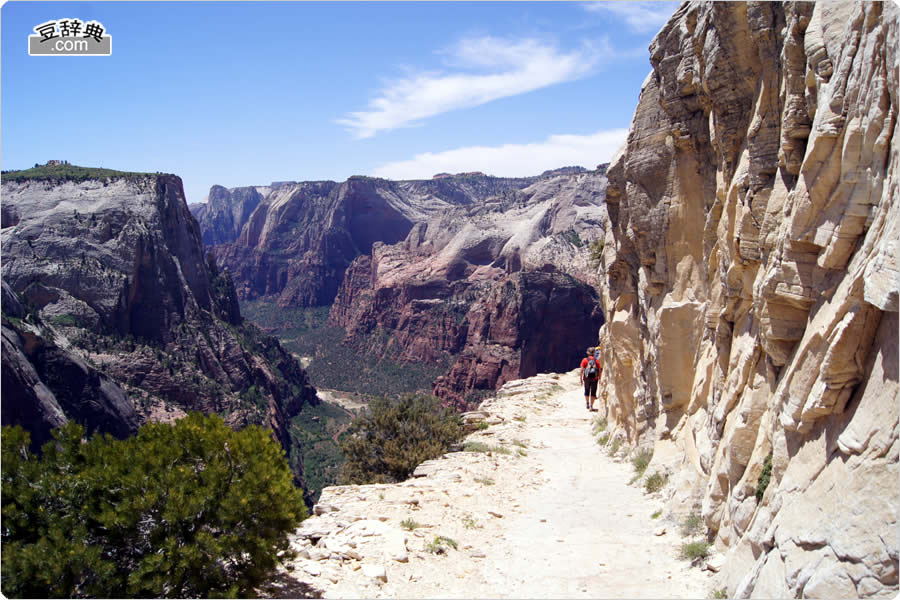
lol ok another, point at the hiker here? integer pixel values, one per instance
(590, 376)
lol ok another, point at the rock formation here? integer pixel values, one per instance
(751, 288)
(299, 238)
(112, 315)
(499, 287)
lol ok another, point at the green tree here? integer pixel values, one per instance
(185, 510)
(391, 438)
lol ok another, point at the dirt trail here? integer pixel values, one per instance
(548, 515)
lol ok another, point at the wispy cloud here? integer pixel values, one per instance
(483, 69)
(512, 160)
(642, 17)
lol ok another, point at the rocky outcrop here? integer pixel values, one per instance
(499, 288)
(225, 211)
(112, 316)
(751, 288)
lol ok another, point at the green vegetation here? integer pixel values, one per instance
(572, 237)
(440, 544)
(390, 439)
(692, 524)
(476, 447)
(520, 443)
(719, 593)
(603, 439)
(484, 480)
(66, 173)
(640, 460)
(764, 477)
(193, 509)
(338, 365)
(469, 522)
(410, 524)
(599, 425)
(695, 550)
(614, 447)
(655, 482)
(595, 253)
(314, 430)
(520, 418)
(656, 514)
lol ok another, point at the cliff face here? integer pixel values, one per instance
(751, 288)
(112, 316)
(298, 239)
(500, 287)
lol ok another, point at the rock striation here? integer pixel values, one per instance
(751, 288)
(113, 316)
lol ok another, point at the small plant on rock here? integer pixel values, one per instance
(640, 460)
(476, 447)
(410, 524)
(655, 482)
(719, 593)
(469, 522)
(440, 544)
(599, 425)
(656, 514)
(692, 525)
(603, 439)
(764, 477)
(614, 447)
(694, 551)
(484, 480)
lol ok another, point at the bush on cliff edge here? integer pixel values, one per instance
(391, 438)
(185, 510)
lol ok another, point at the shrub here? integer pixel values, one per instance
(692, 524)
(694, 550)
(764, 477)
(614, 447)
(390, 439)
(655, 482)
(410, 524)
(191, 509)
(640, 460)
(719, 593)
(656, 514)
(476, 447)
(603, 439)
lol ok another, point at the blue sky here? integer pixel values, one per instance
(245, 93)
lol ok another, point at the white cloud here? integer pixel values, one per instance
(643, 17)
(501, 68)
(512, 160)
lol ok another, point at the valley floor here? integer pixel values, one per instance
(544, 513)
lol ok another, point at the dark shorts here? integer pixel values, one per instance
(590, 387)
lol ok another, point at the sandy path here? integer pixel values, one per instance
(584, 532)
(551, 516)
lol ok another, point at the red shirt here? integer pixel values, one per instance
(584, 364)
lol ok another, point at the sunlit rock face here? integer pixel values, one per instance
(751, 288)
(113, 316)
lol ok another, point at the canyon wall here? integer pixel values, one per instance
(113, 316)
(751, 288)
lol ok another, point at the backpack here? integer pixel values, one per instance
(593, 370)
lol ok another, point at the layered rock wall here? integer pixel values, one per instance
(113, 316)
(751, 288)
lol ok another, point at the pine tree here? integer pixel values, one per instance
(184, 510)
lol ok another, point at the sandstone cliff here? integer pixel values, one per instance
(751, 288)
(112, 316)
(499, 288)
(297, 240)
